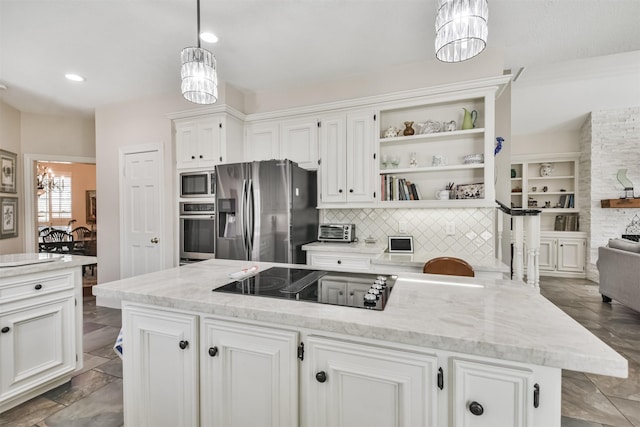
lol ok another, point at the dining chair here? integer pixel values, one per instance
(81, 235)
(448, 265)
(57, 241)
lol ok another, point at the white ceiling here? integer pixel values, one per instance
(129, 49)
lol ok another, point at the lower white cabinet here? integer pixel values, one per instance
(349, 384)
(562, 256)
(486, 395)
(40, 334)
(160, 367)
(335, 290)
(249, 375)
(191, 369)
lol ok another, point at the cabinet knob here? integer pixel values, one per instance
(6, 329)
(183, 344)
(220, 158)
(193, 157)
(321, 376)
(213, 351)
(38, 287)
(340, 190)
(475, 408)
(200, 156)
(339, 262)
(351, 190)
(340, 293)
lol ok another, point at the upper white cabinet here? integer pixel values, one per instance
(294, 139)
(206, 141)
(414, 169)
(347, 158)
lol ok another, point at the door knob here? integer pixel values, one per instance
(155, 240)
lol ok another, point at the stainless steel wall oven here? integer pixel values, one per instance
(197, 231)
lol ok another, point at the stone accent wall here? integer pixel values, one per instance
(474, 228)
(610, 140)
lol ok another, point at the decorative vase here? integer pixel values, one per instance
(513, 173)
(391, 132)
(408, 129)
(546, 169)
(469, 120)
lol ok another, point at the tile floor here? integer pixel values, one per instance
(93, 398)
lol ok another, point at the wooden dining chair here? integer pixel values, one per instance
(57, 241)
(81, 236)
(448, 265)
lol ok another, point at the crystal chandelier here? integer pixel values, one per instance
(46, 181)
(461, 29)
(199, 76)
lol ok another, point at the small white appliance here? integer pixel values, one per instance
(337, 232)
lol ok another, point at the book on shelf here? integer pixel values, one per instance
(393, 188)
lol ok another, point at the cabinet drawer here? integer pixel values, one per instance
(336, 261)
(22, 287)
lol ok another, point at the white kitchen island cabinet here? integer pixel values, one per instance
(40, 324)
(441, 344)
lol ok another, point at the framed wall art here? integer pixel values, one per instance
(91, 207)
(8, 162)
(9, 217)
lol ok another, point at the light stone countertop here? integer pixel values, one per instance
(38, 266)
(493, 318)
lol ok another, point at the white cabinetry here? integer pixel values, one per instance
(294, 139)
(351, 384)
(337, 290)
(347, 158)
(440, 155)
(249, 375)
(206, 141)
(562, 254)
(486, 395)
(160, 367)
(40, 333)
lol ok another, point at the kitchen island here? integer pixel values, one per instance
(445, 351)
(41, 323)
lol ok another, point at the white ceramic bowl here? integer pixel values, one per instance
(474, 158)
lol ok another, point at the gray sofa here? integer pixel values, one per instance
(619, 267)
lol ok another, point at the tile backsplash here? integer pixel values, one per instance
(474, 228)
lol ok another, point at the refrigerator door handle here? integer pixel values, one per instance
(250, 215)
(243, 212)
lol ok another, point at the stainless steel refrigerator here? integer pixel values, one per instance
(265, 211)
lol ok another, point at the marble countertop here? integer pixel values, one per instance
(494, 318)
(40, 263)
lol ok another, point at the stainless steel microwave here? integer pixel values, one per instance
(198, 184)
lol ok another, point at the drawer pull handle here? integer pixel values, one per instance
(6, 329)
(183, 344)
(38, 287)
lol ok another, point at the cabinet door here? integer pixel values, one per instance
(352, 384)
(186, 145)
(333, 161)
(547, 258)
(263, 141)
(160, 367)
(356, 292)
(333, 291)
(38, 345)
(299, 142)
(360, 172)
(489, 395)
(249, 375)
(209, 150)
(571, 254)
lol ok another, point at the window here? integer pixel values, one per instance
(54, 205)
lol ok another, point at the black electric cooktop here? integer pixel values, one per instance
(361, 290)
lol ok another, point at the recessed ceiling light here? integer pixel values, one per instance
(74, 77)
(209, 37)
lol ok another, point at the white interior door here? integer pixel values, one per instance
(142, 219)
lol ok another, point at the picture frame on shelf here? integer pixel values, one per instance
(91, 207)
(9, 213)
(470, 191)
(8, 162)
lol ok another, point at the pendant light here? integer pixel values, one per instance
(198, 72)
(461, 29)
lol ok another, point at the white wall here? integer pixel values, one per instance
(58, 135)
(10, 141)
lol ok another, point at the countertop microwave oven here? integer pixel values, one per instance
(198, 184)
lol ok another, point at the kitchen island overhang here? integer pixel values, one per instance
(492, 318)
